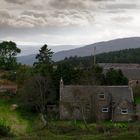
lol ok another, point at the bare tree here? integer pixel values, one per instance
(81, 101)
(36, 93)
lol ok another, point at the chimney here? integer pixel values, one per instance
(61, 87)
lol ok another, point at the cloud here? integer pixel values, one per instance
(121, 6)
(4, 14)
(122, 19)
(57, 18)
(67, 4)
(95, 19)
(16, 1)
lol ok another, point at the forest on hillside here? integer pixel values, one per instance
(122, 56)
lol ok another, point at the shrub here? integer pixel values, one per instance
(100, 128)
(4, 129)
(120, 125)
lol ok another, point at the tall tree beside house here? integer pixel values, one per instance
(8, 53)
(44, 64)
(44, 61)
(39, 91)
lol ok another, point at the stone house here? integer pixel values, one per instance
(96, 103)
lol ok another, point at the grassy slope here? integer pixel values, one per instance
(18, 124)
(25, 126)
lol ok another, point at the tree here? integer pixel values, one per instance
(36, 94)
(115, 77)
(23, 73)
(92, 76)
(44, 60)
(8, 52)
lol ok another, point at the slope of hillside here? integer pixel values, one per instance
(27, 59)
(108, 46)
(123, 56)
(101, 47)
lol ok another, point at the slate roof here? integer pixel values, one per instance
(132, 74)
(118, 92)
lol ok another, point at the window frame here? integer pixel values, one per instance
(124, 109)
(100, 96)
(105, 108)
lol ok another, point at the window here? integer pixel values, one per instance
(105, 109)
(124, 111)
(102, 96)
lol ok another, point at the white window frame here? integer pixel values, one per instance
(105, 109)
(101, 94)
(124, 111)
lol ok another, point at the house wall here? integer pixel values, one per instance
(77, 102)
(138, 112)
(117, 114)
(71, 111)
(100, 116)
(92, 109)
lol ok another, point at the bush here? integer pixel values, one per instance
(4, 129)
(9, 76)
(100, 128)
(121, 125)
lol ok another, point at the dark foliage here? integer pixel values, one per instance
(44, 61)
(8, 52)
(122, 56)
(4, 130)
(115, 77)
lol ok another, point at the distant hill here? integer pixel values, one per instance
(101, 47)
(33, 49)
(27, 59)
(28, 52)
(125, 56)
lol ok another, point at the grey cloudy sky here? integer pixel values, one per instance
(68, 21)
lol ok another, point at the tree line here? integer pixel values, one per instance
(122, 56)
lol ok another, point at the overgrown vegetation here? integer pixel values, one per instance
(4, 129)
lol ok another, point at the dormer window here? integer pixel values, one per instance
(124, 111)
(105, 109)
(101, 95)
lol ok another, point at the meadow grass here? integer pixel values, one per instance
(13, 118)
(25, 125)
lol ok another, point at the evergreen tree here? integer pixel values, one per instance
(115, 77)
(44, 61)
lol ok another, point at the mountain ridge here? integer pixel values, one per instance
(101, 47)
